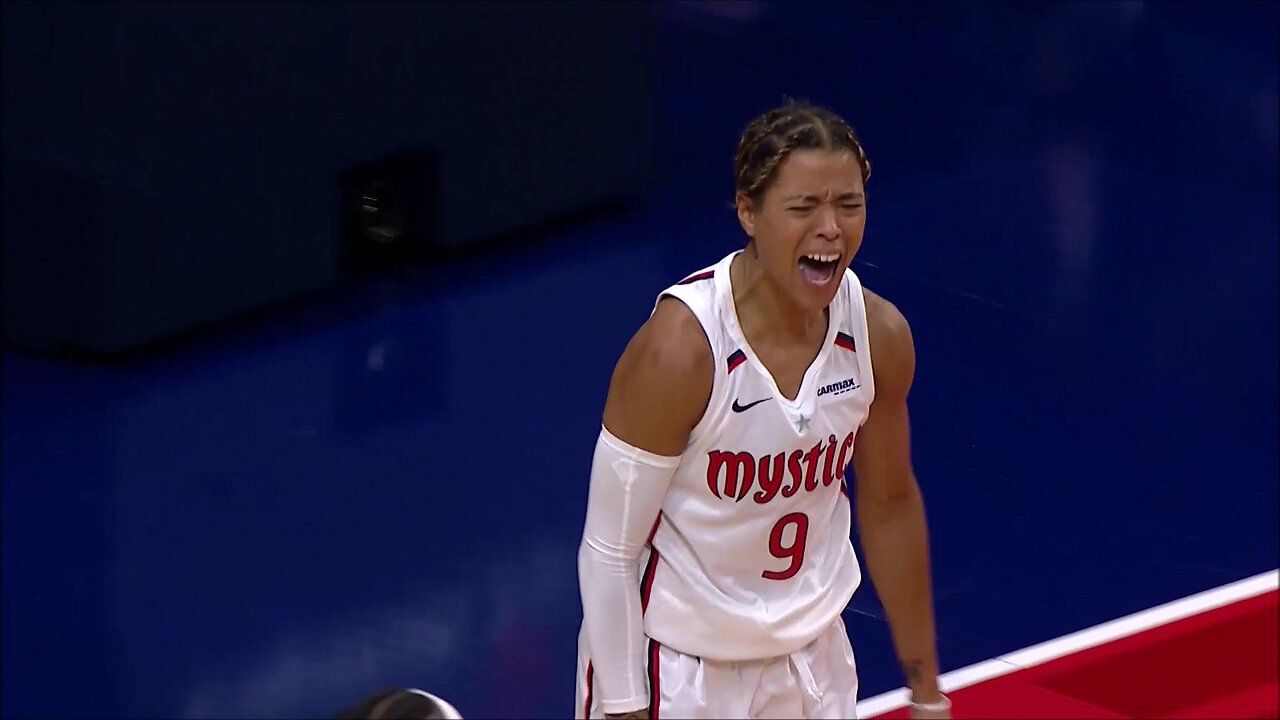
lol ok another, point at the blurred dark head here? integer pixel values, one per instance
(400, 704)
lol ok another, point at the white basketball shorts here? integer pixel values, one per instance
(818, 681)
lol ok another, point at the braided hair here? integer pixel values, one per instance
(773, 135)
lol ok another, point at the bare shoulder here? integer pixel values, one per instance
(893, 355)
(662, 381)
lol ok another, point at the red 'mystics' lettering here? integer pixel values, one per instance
(732, 474)
(734, 464)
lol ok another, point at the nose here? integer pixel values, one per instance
(828, 228)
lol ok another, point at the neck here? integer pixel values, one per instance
(764, 308)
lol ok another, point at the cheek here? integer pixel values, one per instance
(779, 235)
(854, 226)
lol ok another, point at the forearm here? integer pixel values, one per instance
(627, 489)
(895, 544)
(614, 625)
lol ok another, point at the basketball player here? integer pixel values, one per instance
(716, 557)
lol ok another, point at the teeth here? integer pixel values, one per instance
(822, 258)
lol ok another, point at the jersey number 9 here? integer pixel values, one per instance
(794, 551)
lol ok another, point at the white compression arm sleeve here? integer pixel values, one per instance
(628, 486)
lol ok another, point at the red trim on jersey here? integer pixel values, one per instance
(845, 341)
(705, 275)
(651, 568)
(735, 359)
(646, 584)
(591, 674)
(655, 683)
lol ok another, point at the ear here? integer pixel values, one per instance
(746, 214)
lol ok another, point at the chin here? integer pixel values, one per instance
(813, 299)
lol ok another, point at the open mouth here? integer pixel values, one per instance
(818, 268)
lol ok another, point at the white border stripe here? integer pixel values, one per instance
(1090, 637)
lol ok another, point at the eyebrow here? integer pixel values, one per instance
(813, 198)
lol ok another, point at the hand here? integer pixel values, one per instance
(641, 714)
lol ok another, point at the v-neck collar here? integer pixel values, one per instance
(724, 285)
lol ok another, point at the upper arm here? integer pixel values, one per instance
(882, 458)
(661, 383)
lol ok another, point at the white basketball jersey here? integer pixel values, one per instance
(751, 556)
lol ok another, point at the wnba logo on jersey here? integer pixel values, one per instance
(738, 472)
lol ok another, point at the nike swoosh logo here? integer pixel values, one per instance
(743, 408)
